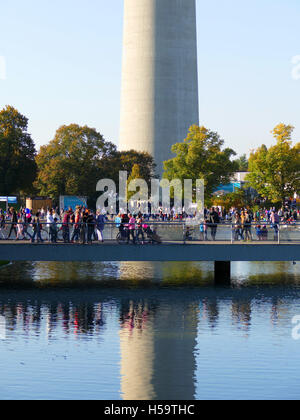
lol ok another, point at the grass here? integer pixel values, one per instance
(3, 263)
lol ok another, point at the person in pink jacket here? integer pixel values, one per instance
(131, 228)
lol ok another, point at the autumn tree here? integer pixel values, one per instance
(73, 162)
(17, 153)
(275, 172)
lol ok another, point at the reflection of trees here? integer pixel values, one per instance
(279, 273)
(166, 273)
(186, 273)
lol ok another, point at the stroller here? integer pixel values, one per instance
(152, 236)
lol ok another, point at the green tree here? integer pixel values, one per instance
(275, 172)
(200, 156)
(127, 159)
(242, 163)
(73, 162)
(135, 174)
(17, 153)
(238, 199)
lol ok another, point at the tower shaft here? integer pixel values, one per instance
(159, 98)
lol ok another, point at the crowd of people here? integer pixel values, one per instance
(84, 225)
(81, 225)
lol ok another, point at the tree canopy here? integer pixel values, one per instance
(78, 157)
(73, 162)
(275, 172)
(242, 163)
(200, 156)
(17, 153)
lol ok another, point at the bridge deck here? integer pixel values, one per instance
(167, 251)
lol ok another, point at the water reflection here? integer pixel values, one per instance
(153, 340)
(38, 318)
(161, 333)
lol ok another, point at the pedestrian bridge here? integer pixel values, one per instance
(180, 242)
(167, 251)
(221, 253)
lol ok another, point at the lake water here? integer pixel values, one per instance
(148, 331)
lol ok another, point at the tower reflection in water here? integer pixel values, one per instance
(158, 351)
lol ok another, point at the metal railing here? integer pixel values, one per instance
(187, 231)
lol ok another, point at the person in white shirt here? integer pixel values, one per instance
(50, 220)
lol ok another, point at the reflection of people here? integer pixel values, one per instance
(135, 316)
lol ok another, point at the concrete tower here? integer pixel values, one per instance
(159, 99)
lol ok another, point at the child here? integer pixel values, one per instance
(20, 230)
(259, 232)
(202, 231)
(264, 233)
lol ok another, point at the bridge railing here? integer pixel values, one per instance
(187, 231)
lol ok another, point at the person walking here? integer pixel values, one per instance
(49, 220)
(124, 228)
(90, 226)
(83, 226)
(131, 228)
(36, 225)
(65, 226)
(76, 227)
(100, 224)
(2, 224)
(140, 231)
(213, 220)
(14, 222)
(246, 224)
(20, 230)
(237, 226)
(53, 231)
(275, 220)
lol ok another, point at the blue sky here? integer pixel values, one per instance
(63, 65)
